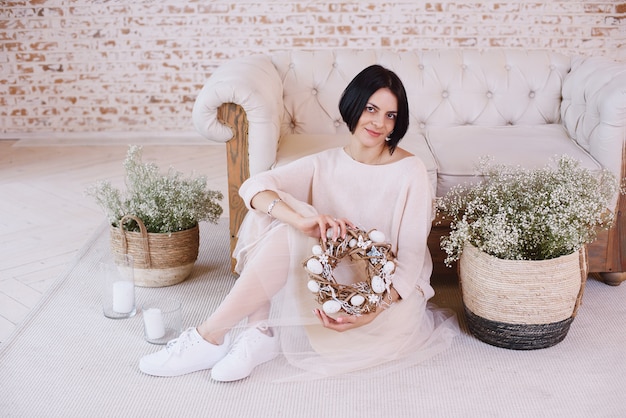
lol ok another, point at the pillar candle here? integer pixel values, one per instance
(123, 296)
(153, 321)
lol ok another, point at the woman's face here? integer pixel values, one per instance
(378, 118)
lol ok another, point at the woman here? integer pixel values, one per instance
(370, 183)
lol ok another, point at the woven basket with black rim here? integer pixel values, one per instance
(521, 304)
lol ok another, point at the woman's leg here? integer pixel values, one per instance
(261, 278)
(201, 348)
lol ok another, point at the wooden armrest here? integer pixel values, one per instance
(233, 116)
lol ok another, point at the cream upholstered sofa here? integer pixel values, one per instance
(520, 107)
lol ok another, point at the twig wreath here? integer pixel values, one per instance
(357, 298)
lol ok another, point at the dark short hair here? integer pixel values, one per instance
(355, 97)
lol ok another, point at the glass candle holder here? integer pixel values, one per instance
(118, 287)
(162, 320)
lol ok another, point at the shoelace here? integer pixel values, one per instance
(240, 348)
(178, 345)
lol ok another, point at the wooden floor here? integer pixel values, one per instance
(45, 216)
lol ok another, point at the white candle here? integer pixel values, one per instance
(153, 321)
(123, 296)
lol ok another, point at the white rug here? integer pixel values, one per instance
(68, 360)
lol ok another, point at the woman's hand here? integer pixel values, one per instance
(345, 322)
(316, 226)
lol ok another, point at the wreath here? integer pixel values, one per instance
(357, 298)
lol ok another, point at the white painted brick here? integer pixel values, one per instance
(124, 65)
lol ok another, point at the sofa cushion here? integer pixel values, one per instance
(294, 146)
(457, 150)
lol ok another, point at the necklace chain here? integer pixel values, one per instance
(376, 162)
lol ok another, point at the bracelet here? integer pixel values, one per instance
(271, 206)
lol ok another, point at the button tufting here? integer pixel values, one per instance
(531, 94)
(444, 94)
(314, 92)
(464, 66)
(292, 65)
(335, 65)
(489, 94)
(421, 66)
(337, 123)
(422, 125)
(507, 67)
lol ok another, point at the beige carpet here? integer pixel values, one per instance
(68, 360)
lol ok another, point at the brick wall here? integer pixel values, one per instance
(136, 65)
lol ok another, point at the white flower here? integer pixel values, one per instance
(372, 298)
(164, 202)
(528, 214)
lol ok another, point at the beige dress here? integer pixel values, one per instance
(394, 198)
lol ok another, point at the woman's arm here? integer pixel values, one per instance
(269, 201)
(262, 193)
(414, 262)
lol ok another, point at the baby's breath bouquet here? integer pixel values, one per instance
(522, 214)
(165, 202)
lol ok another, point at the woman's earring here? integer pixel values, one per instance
(387, 139)
(389, 136)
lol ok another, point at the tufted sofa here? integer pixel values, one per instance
(520, 107)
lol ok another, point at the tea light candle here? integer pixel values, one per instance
(123, 296)
(153, 321)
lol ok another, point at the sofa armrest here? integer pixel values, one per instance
(254, 84)
(594, 108)
(594, 113)
(242, 104)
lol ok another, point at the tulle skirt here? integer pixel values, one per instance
(406, 333)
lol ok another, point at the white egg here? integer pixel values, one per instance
(357, 300)
(389, 267)
(377, 236)
(313, 286)
(378, 284)
(352, 243)
(314, 266)
(317, 250)
(329, 233)
(331, 306)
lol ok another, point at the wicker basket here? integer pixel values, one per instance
(159, 259)
(521, 305)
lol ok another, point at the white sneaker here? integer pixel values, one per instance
(185, 354)
(253, 347)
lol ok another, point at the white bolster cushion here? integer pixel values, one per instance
(594, 108)
(253, 83)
